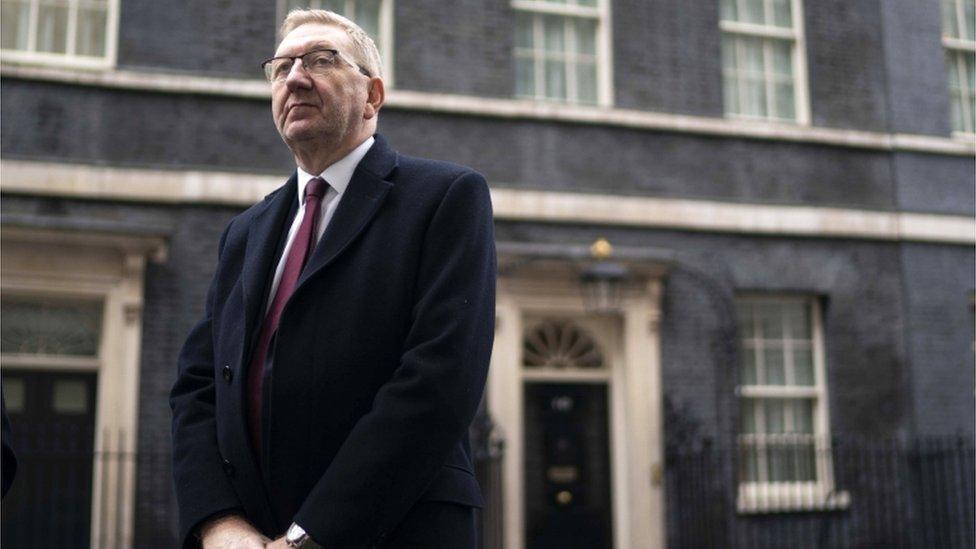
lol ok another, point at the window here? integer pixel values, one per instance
(373, 16)
(784, 448)
(74, 32)
(959, 39)
(561, 48)
(763, 62)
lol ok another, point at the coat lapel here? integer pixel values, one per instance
(366, 191)
(262, 239)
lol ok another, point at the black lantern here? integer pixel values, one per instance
(603, 281)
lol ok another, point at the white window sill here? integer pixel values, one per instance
(789, 497)
(56, 60)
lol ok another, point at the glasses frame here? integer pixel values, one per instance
(301, 56)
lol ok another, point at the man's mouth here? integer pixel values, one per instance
(296, 105)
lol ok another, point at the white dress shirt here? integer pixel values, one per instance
(337, 176)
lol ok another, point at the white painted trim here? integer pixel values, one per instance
(604, 55)
(551, 8)
(513, 109)
(112, 269)
(630, 346)
(69, 60)
(235, 189)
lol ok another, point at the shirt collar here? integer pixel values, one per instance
(339, 173)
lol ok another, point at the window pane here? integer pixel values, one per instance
(970, 9)
(749, 463)
(367, 15)
(295, 4)
(14, 395)
(753, 97)
(586, 2)
(91, 31)
(774, 367)
(750, 55)
(586, 83)
(803, 366)
(749, 367)
(775, 415)
(752, 11)
(47, 326)
(524, 76)
(523, 30)
(782, 61)
(782, 13)
(338, 6)
(729, 10)
(950, 25)
(785, 101)
(14, 18)
(744, 312)
(728, 52)
(798, 321)
(555, 79)
(803, 416)
(731, 103)
(771, 320)
(52, 28)
(586, 36)
(70, 396)
(554, 34)
(748, 416)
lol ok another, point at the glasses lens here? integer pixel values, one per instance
(319, 62)
(276, 69)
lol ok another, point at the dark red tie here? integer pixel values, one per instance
(298, 254)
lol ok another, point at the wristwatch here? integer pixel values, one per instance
(296, 537)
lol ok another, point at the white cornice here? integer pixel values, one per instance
(236, 189)
(513, 109)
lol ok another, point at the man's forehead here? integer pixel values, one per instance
(313, 35)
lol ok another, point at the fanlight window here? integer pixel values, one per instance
(560, 344)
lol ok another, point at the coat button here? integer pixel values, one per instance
(227, 373)
(228, 469)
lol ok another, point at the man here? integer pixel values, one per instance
(327, 392)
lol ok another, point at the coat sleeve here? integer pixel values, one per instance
(394, 451)
(202, 488)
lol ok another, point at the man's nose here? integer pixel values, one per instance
(298, 77)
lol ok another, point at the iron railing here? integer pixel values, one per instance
(877, 493)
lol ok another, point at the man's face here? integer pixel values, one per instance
(327, 107)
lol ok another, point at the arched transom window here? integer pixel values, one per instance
(560, 344)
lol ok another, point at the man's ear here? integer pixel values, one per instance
(374, 98)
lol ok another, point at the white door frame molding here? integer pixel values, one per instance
(636, 435)
(110, 267)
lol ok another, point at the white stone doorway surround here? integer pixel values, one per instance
(547, 285)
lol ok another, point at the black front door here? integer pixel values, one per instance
(567, 466)
(52, 417)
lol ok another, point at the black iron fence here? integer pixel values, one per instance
(846, 492)
(67, 494)
(896, 494)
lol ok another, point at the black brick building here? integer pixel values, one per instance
(789, 185)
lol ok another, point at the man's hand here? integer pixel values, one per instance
(277, 544)
(231, 532)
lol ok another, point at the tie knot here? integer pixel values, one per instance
(316, 187)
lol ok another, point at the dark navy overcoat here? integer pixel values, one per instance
(379, 361)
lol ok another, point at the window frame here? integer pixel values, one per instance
(780, 496)
(601, 15)
(956, 48)
(33, 57)
(797, 35)
(384, 42)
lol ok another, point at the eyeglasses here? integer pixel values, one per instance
(317, 62)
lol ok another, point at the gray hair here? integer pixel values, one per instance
(364, 51)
